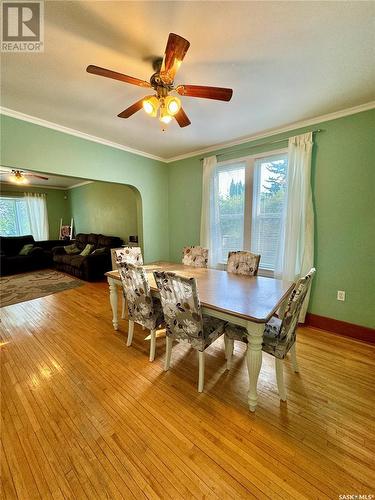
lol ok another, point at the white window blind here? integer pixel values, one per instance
(269, 191)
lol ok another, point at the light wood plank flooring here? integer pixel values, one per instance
(83, 416)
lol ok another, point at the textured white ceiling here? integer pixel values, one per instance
(286, 62)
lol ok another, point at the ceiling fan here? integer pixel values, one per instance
(162, 81)
(20, 177)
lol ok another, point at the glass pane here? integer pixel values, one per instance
(8, 223)
(268, 202)
(231, 202)
(14, 220)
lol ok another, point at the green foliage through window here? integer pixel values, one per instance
(14, 220)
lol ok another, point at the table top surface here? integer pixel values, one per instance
(253, 298)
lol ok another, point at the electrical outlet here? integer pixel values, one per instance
(341, 295)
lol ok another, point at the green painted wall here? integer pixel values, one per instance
(106, 208)
(343, 185)
(29, 146)
(57, 206)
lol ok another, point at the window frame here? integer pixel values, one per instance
(249, 161)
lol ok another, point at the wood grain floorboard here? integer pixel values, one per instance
(83, 416)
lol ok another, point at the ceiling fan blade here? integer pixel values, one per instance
(217, 93)
(182, 118)
(174, 54)
(38, 176)
(96, 70)
(131, 109)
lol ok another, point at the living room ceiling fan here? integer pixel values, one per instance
(19, 176)
(162, 81)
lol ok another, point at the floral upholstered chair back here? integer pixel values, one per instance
(195, 256)
(181, 306)
(246, 263)
(287, 332)
(138, 295)
(131, 255)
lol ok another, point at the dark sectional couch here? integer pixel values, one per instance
(89, 268)
(40, 256)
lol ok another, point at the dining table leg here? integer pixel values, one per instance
(254, 360)
(113, 297)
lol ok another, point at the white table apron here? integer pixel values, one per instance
(254, 330)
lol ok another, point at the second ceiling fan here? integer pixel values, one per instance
(162, 81)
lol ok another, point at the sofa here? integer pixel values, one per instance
(40, 256)
(91, 267)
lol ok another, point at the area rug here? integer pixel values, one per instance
(29, 286)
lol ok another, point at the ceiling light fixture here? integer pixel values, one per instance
(164, 116)
(150, 105)
(173, 104)
(168, 107)
(17, 177)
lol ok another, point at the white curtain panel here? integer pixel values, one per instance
(37, 211)
(208, 231)
(296, 252)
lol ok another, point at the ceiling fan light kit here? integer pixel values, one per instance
(19, 176)
(162, 81)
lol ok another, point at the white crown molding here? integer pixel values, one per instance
(77, 133)
(261, 135)
(271, 132)
(80, 184)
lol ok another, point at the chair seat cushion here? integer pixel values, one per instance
(213, 328)
(71, 260)
(271, 342)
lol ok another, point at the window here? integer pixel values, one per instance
(249, 197)
(14, 219)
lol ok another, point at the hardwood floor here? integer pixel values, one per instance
(83, 416)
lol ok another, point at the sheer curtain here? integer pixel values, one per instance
(296, 251)
(209, 215)
(37, 211)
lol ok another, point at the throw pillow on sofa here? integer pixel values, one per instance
(71, 249)
(99, 251)
(87, 250)
(26, 249)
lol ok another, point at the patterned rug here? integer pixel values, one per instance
(29, 286)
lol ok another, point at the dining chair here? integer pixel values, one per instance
(195, 256)
(131, 255)
(184, 319)
(143, 309)
(242, 262)
(279, 333)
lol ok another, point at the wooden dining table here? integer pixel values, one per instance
(248, 301)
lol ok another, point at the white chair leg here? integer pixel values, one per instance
(293, 355)
(225, 346)
(130, 333)
(229, 352)
(168, 353)
(201, 371)
(123, 310)
(279, 367)
(152, 345)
